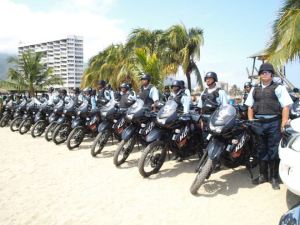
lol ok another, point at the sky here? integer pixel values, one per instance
(233, 29)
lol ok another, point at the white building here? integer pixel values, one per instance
(64, 56)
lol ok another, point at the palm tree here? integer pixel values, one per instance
(183, 49)
(29, 74)
(285, 42)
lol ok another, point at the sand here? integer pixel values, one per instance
(41, 183)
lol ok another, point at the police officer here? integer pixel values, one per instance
(178, 95)
(269, 102)
(127, 98)
(166, 93)
(50, 95)
(148, 93)
(185, 90)
(212, 97)
(104, 95)
(247, 89)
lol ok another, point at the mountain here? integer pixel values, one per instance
(4, 65)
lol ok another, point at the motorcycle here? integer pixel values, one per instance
(28, 117)
(63, 128)
(8, 113)
(52, 120)
(18, 116)
(173, 132)
(231, 141)
(86, 122)
(112, 125)
(137, 116)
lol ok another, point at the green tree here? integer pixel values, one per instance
(29, 74)
(285, 42)
(235, 91)
(183, 49)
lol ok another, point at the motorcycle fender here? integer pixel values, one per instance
(128, 132)
(76, 123)
(103, 126)
(214, 148)
(61, 120)
(155, 134)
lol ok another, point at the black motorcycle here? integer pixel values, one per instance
(8, 113)
(86, 122)
(41, 119)
(63, 127)
(175, 132)
(112, 125)
(18, 116)
(28, 117)
(232, 143)
(138, 117)
(52, 121)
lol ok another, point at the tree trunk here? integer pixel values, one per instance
(188, 77)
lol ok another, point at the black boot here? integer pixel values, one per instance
(263, 173)
(274, 173)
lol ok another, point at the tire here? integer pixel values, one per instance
(38, 128)
(49, 130)
(77, 136)
(61, 133)
(124, 149)
(15, 124)
(25, 126)
(201, 176)
(100, 142)
(149, 158)
(4, 121)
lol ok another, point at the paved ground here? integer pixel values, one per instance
(41, 183)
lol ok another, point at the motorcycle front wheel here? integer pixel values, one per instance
(75, 138)
(25, 126)
(38, 128)
(123, 151)
(152, 159)
(99, 142)
(49, 130)
(4, 121)
(15, 124)
(61, 133)
(201, 175)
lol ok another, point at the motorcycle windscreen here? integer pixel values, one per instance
(83, 107)
(69, 103)
(168, 110)
(223, 115)
(137, 106)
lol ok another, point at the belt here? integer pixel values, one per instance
(268, 120)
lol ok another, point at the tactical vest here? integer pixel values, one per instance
(209, 101)
(266, 101)
(245, 97)
(144, 95)
(177, 99)
(124, 103)
(101, 98)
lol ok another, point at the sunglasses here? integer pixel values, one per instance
(265, 72)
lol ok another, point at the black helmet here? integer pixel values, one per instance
(146, 76)
(77, 90)
(63, 91)
(182, 83)
(125, 85)
(266, 67)
(88, 90)
(50, 89)
(248, 84)
(211, 75)
(102, 83)
(176, 83)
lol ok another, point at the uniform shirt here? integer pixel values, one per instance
(187, 92)
(185, 101)
(281, 93)
(221, 100)
(51, 97)
(109, 95)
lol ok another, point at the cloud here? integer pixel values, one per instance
(87, 18)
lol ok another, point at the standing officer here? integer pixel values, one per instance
(269, 102)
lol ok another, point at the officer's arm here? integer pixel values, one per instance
(285, 116)
(250, 113)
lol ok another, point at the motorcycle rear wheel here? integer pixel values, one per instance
(152, 159)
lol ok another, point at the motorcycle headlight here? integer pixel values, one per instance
(129, 116)
(295, 144)
(103, 114)
(65, 111)
(78, 113)
(143, 125)
(215, 129)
